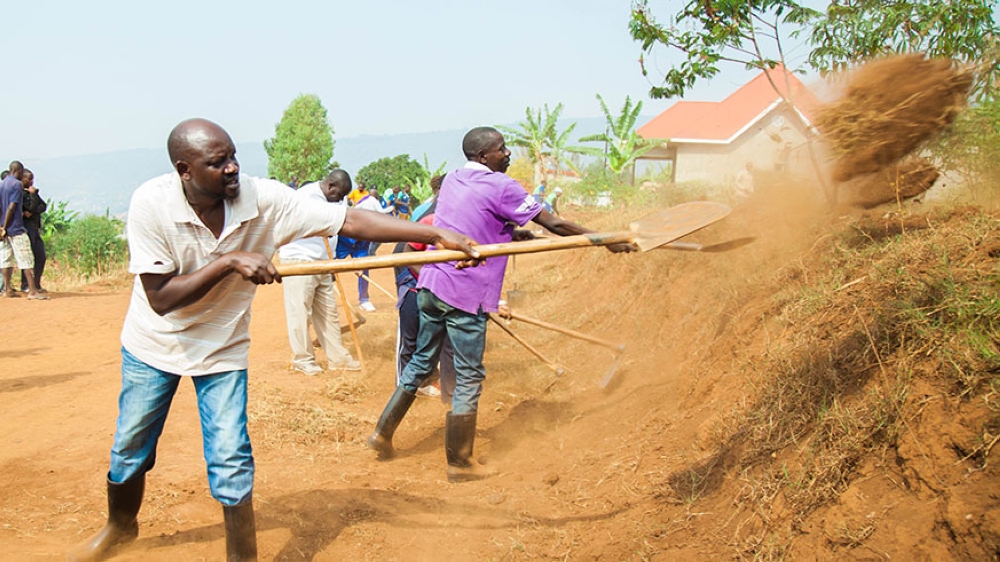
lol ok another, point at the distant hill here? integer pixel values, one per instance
(96, 183)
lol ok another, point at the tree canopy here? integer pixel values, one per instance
(303, 142)
(709, 32)
(388, 172)
(963, 30)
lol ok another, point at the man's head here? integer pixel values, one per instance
(486, 146)
(395, 189)
(205, 158)
(16, 169)
(27, 178)
(557, 191)
(336, 186)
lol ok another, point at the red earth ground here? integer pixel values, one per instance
(584, 473)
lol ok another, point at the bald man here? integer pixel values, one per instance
(200, 241)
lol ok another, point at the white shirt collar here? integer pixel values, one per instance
(244, 207)
(470, 165)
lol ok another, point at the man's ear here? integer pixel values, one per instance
(183, 169)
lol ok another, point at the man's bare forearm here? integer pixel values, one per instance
(369, 225)
(169, 292)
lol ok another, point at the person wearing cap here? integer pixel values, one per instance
(552, 202)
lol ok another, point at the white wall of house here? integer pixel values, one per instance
(761, 145)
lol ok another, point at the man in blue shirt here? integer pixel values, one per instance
(15, 246)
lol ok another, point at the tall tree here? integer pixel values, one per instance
(965, 30)
(622, 145)
(707, 33)
(388, 172)
(303, 142)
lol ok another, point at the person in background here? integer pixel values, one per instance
(355, 248)
(390, 199)
(361, 190)
(34, 206)
(442, 381)
(294, 184)
(15, 246)
(539, 193)
(552, 202)
(402, 203)
(312, 298)
(744, 183)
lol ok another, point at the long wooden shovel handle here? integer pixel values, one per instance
(438, 256)
(555, 367)
(377, 286)
(618, 348)
(342, 296)
(651, 232)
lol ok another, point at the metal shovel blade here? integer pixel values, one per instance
(670, 224)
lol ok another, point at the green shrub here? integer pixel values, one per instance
(93, 245)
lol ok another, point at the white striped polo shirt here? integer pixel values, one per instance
(165, 235)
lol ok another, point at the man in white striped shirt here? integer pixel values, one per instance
(200, 240)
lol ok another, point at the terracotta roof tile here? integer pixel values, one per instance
(700, 121)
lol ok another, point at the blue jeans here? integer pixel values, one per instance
(467, 333)
(222, 405)
(349, 247)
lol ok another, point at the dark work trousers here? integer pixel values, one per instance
(409, 325)
(38, 251)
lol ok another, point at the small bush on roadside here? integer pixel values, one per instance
(92, 245)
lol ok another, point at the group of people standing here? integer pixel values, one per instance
(21, 245)
(201, 239)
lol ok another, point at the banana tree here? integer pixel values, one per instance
(622, 145)
(539, 134)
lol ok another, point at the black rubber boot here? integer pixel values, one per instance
(241, 532)
(399, 404)
(459, 437)
(122, 527)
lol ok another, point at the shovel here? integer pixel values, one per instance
(709, 248)
(657, 229)
(515, 296)
(618, 349)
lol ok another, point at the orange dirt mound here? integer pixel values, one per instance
(891, 106)
(902, 181)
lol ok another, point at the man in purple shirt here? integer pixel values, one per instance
(482, 202)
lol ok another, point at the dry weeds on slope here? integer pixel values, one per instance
(880, 320)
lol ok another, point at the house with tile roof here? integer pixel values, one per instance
(713, 141)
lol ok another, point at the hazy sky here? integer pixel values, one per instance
(88, 77)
